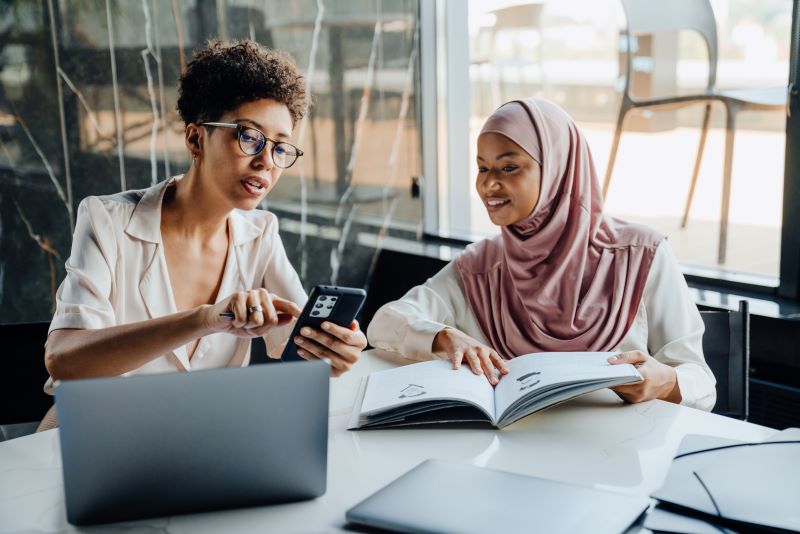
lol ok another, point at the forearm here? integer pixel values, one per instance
(403, 328)
(119, 349)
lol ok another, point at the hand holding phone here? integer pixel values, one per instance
(338, 305)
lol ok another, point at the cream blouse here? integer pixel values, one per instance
(117, 274)
(667, 325)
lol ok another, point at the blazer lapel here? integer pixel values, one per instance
(241, 235)
(156, 292)
(154, 286)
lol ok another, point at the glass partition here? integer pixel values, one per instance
(87, 107)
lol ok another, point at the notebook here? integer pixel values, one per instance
(432, 392)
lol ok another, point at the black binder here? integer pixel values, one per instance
(721, 485)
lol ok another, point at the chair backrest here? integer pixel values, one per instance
(726, 345)
(22, 399)
(657, 16)
(258, 352)
(518, 16)
(394, 274)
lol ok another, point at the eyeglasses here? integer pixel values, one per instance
(253, 141)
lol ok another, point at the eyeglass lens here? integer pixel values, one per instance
(252, 142)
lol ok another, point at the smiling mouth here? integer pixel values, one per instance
(496, 203)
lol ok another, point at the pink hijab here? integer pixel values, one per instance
(566, 278)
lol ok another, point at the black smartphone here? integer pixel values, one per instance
(339, 305)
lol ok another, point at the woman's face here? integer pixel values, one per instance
(241, 179)
(508, 181)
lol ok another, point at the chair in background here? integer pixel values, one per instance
(650, 17)
(258, 352)
(726, 345)
(513, 20)
(393, 275)
(23, 403)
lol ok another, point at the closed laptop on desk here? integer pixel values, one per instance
(167, 444)
(446, 497)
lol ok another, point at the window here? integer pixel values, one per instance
(572, 52)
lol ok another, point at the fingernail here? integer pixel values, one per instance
(326, 326)
(305, 331)
(612, 359)
(298, 340)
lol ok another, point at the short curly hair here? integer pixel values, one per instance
(226, 74)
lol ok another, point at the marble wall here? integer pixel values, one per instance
(87, 107)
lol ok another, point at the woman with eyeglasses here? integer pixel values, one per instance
(182, 275)
(562, 276)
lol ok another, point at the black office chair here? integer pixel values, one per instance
(726, 345)
(23, 403)
(258, 352)
(394, 274)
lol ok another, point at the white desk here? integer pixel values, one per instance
(594, 440)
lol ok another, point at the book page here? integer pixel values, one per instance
(423, 382)
(534, 372)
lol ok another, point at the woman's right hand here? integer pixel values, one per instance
(482, 360)
(270, 311)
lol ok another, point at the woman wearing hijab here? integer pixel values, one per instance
(561, 276)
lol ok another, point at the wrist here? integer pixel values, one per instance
(439, 340)
(201, 320)
(672, 390)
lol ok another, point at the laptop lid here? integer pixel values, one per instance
(438, 496)
(155, 445)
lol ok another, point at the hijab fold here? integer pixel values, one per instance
(567, 277)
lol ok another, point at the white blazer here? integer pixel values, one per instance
(117, 274)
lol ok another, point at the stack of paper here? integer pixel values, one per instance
(720, 485)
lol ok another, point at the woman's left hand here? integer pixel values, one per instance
(336, 344)
(660, 381)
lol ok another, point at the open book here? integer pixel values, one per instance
(432, 392)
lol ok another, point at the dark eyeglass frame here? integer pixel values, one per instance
(240, 128)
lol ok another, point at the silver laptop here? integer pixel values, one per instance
(447, 497)
(156, 445)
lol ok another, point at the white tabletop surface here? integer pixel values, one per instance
(595, 440)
